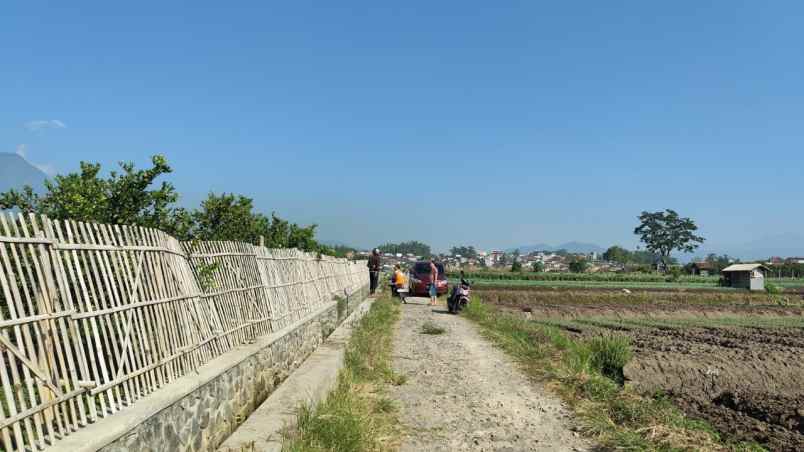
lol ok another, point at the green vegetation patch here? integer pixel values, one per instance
(635, 277)
(356, 415)
(588, 374)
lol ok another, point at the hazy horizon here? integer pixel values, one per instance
(495, 125)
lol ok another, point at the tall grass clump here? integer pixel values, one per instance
(355, 416)
(609, 355)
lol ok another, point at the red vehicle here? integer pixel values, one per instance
(420, 279)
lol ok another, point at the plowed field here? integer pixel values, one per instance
(737, 363)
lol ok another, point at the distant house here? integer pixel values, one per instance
(703, 268)
(745, 276)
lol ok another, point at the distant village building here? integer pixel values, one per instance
(494, 257)
(745, 276)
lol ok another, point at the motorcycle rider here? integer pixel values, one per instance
(453, 297)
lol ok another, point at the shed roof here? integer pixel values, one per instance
(743, 267)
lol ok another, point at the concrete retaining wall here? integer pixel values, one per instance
(311, 383)
(198, 412)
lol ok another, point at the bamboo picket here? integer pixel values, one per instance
(94, 317)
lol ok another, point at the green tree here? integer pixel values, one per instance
(538, 266)
(617, 254)
(229, 217)
(665, 232)
(719, 262)
(642, 257)
(232, 217)
(578, 265)
(516, 265)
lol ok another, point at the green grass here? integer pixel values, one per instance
(625, 279)
(587, 373)
(356, 415)
(787, 282)
(432, 328)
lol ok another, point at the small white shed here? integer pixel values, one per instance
(745, 276)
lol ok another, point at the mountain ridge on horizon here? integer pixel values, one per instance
(17, 172)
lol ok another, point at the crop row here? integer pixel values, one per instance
(518, 283)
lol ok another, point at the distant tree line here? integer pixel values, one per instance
(626, 257)
(787, 270)
(468, 252)
(716, 262)
(130, 196)
(412, 247)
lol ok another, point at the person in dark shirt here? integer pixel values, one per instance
(374, 270)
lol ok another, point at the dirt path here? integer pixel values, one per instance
(462, 394)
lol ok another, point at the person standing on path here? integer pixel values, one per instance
(374, 270)
(433, 281)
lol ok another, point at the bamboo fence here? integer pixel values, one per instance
(94, 317)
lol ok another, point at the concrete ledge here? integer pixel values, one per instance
(198, 411)
(309, 384)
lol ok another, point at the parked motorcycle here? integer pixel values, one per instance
(459, 297)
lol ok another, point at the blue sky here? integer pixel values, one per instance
(489, 123)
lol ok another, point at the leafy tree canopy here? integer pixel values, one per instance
(665, 232)
(720, 262)
(578, 265)
(617, 254)
(538, 266)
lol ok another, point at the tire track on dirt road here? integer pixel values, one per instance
(463, 394)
